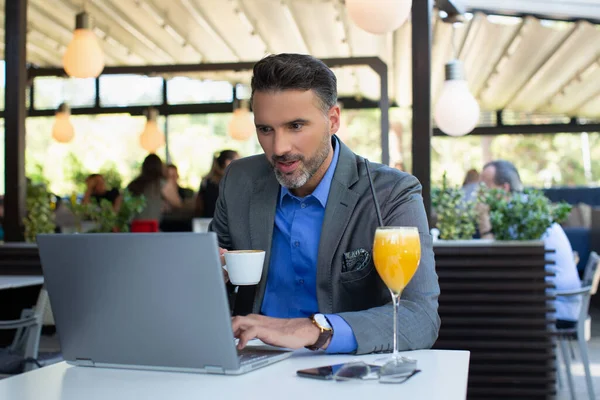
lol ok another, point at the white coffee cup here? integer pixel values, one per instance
(200, 225)
(244, 266)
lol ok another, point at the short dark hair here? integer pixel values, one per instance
(295, 72)
(506, 172)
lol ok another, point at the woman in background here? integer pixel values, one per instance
(209, 187)
(160, 193)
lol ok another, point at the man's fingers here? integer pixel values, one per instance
(225, 275)
(222, 254)
(247, 335)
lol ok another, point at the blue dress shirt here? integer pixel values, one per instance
(292, 279)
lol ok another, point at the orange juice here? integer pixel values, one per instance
(396, 253)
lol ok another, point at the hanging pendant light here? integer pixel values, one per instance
(241, 127)
(379, 16)
(83, 57)
(457, 111)
(63, 131)
(152, 138)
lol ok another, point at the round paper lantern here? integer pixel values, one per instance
(84, 57)
(456, 111)
(63, 131)
(241, 127)
(152, 138)
(379, 16)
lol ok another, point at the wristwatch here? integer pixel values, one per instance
(320, 321)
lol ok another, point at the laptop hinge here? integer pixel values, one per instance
(214, 370)
(84, 362)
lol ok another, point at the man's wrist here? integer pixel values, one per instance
(321, 332)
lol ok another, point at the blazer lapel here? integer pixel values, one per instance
(263, 205)
(340, 206)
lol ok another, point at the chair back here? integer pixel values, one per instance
(591, 275)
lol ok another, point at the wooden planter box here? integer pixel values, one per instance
(493, 303)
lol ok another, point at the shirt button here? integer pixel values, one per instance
(303, 205)
(301, 281)
(297, 244)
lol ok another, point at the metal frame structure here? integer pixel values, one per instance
(15, 150)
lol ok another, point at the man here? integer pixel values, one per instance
(504, 175)
(173, 175)
(307, 203)
(97, 191)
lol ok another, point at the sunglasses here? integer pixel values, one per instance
(361, 370)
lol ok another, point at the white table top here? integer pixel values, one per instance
(444, 376)
(17, 281)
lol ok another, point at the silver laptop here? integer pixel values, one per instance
(144, 301)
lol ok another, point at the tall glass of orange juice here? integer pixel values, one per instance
(396, 253)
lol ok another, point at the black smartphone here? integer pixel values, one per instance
(327, 372)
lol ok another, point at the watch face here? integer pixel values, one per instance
(322, 321)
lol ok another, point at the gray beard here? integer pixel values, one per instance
(308, 168)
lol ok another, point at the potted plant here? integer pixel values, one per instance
(105, 218)
(39, 217)
(521, 215)
(455, 214)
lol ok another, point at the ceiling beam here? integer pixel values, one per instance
(102, 7)
(506, 53)
(577, 108)
(558, 10)
(573, 127)
(161, 18)
(255, 30)
(300, 33)
(543, 66)
(374, 62)
(579, 76)
(200, 18)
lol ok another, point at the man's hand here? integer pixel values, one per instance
(222, 254)
(289, 333)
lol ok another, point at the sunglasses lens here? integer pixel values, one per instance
(353, 371)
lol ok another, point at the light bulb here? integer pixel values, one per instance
(63, 131)
(152, 138)
(241, 127)
(84, 57)
(457, 111)
(379, 16)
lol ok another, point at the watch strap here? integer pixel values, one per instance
(323, 336)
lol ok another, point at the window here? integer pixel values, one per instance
(182, 90)
(130, 90)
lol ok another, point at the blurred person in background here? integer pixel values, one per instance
(152, 183)
(470, 185)
(209, 187)
(504, 175)
(173, 174)
(97, 191)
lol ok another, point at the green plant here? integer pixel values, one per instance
(111, 175)
(521, 215)
(455, 215)
(104, 215)
(39, 217)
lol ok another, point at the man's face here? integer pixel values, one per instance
(100, 186)
(294, 133)
(488, 176)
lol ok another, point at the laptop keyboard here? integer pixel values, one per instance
(250, 356)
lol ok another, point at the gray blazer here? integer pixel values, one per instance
(347, 282)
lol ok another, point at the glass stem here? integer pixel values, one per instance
(396, 301)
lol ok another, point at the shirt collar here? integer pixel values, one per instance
(321, 193)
